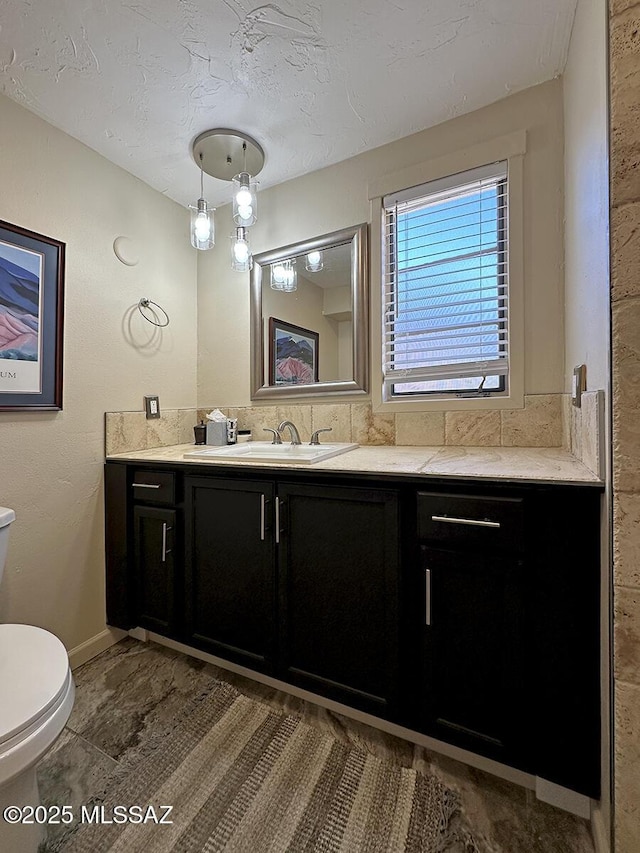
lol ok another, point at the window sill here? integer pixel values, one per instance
(450, 404)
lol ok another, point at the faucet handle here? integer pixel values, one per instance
(314, 436)
(276, 435)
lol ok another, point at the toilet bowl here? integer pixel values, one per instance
(36, 698)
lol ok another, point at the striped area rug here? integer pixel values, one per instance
(244, 778)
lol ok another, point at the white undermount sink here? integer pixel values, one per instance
(264, 451)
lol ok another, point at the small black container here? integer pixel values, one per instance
(200, 433)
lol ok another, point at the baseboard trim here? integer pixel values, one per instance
(600, 832)
(501, 770)
(94, 646)
(563, 798)
(139, 634)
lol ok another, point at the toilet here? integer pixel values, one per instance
(36, 698)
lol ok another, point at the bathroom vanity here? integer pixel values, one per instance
(462, 606)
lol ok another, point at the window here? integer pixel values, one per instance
(445, 289)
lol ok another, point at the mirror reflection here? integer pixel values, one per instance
(309, 317)
(307, 300)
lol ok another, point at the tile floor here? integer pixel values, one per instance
(134, 691)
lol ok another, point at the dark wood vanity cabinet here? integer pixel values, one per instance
(464, 610)
(154, 536)
(471, 689)
(472, 589)
(143, 549)
(230, 578)
(296, 581)
(338, 579)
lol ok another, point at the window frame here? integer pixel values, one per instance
(456, 181)
(510, 148)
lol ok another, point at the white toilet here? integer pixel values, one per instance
(36, 698)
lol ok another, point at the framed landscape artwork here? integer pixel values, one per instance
(31, 319)
(293, 354)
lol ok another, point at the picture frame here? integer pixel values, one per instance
(31, 320)
(293, 354)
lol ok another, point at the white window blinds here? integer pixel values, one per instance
(445, 289)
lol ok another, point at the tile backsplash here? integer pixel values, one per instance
(582, 429)
(547, 420)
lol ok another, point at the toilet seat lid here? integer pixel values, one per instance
(34, 666)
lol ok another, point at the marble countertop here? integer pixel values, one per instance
(519, 464)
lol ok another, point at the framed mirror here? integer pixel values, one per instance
(310, 317)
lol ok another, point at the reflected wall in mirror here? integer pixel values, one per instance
(309, 317)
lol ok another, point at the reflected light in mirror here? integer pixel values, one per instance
(283, 276)
(329, 306)
(313, 262)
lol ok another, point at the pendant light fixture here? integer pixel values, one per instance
(245, 196)
(230, 155)
(202, 224)
(241, 259)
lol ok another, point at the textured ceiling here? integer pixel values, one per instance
(314, 83)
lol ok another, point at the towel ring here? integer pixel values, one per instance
(145, 304)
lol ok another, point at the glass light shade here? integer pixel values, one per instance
(202, 225)
(283, 276)
(241, 259)
(277, 276)
(245, 200)
(313, 262)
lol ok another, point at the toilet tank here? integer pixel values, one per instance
(6, 517)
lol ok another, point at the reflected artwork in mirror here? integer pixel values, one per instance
(309, 317)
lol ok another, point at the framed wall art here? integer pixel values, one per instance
(31, 320)
(293, 354)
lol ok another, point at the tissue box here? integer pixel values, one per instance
(216, 432)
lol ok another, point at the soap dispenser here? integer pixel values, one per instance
(200, 433)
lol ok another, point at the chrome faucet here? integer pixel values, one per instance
(276, 435)
(293, 431)
(314, 436)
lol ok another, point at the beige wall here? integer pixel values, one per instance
(586, 181)
(51, 463)
(624, 59)
(337, 197)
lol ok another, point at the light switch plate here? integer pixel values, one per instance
(579, 384)
(152, 406)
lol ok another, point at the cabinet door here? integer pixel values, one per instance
(154, 538)
(473, 632)
(120, 586)
(338, 561)
(230, 572)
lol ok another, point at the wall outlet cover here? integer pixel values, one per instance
(152, 406)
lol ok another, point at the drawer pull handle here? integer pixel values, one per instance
(262, 514)
(146, 485)
(473, 522)
(277, 521)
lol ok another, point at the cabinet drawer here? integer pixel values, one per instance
(471, 520)
(154, 487)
